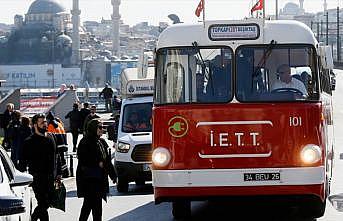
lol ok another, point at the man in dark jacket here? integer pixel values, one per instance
(41, 158)
(84, 112)
(107, 92)
(75, 123)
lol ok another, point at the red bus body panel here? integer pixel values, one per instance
(239, 129)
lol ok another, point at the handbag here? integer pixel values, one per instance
(58, 196)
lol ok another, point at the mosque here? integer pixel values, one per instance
(42, 37)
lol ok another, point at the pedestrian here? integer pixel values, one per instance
(90, 117)
(43, 164)
(94, 167)
(14, 137)
(61, 90)
(107, 92)
(75, 120)
(8, 115)
(24, 132)
(116, 104)
(84, 112)
(56, 128)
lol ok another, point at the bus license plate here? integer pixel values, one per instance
(261, 176)
(146, 167)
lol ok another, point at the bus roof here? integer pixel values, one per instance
(281, 31)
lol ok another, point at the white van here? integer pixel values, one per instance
(132, 157)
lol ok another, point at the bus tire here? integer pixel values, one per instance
(313, 211)
(181, 209)
(122, 185)
(140, 182)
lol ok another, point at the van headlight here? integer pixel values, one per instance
(161, 156)
(123, 147)
(311, 154)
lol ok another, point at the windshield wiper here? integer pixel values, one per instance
(266, 54)
(203, 65)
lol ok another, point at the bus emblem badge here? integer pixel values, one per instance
(177, 126)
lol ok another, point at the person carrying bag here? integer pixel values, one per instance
(94, 167)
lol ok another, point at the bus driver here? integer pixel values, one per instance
(287, 81)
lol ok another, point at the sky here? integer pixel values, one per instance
(155, 11)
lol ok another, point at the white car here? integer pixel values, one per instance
(15, 197)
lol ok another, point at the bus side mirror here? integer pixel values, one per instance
(333, 82)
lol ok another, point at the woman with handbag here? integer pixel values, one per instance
(94, 166)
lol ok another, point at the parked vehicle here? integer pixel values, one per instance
(132, 155)
(15, 197)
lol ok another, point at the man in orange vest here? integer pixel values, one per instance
(56, 128)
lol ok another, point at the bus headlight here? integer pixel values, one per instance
(161, 156)
(123, 147)
(311, 154)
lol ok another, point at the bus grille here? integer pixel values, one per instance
(142, 153)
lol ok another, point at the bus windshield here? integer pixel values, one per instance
(277, 73)
(194, 75)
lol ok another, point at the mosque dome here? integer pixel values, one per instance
(45, 7)
(291, 8)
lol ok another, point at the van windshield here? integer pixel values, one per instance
(137, 118)
(278, 73)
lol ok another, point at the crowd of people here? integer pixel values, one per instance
(38, 145)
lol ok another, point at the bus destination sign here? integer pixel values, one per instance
(223, 32)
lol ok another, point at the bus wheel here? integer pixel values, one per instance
(140, 182)
(122, 185)
(181, 209)
(313, 211)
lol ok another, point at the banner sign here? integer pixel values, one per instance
(36, 105)
(223, 32)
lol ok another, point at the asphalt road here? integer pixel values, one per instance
(138, 205)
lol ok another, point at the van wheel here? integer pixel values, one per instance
(181, 209)
(122, 185)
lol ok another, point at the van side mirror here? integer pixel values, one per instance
(21, 179)
(333, 81)
(337, 202)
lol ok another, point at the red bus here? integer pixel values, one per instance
(242, 109)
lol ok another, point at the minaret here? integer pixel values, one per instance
(301, 2)
(325, 6)
(75, 59)
(115, 21)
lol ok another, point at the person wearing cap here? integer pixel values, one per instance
(93, 169)
(107, 92)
